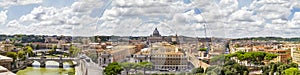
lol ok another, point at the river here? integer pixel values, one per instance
(50, 69)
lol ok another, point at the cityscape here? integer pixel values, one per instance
(150, 37)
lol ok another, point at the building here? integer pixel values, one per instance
(168, 57)
(115, 54)
(142, 56)
(155, 37)
(6, 62)
(283, 55)
(7, 47)
(163, 56)
(5, 71)
(295, 53)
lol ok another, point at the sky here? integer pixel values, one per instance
(218, 18)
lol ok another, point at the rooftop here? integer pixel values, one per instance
(5, 58)
(120, 48)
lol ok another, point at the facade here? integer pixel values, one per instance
(169, 61)
(7, 47)
(168, 57)
(6, 62)
(285, 51)
(295, 53)
(163, 56)
(115, 54)
(142, 56)
(283, 55)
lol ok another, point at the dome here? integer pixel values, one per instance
(156, 32)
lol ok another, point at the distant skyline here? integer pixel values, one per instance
(223, 18)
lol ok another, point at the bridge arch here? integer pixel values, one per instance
(43, 61)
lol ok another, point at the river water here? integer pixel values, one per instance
(50, 69)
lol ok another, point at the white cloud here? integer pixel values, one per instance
(224, 18)
(295, 22)
(272, 9)
(242, 15)
(149, 8)
(13, 23)
(8, 3)
(51, 20)
(3, 16)
(279, 21)
(86, 6)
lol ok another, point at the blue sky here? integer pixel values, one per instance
(223, 18)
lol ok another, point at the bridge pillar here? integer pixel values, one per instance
(61, 65)
(43, 61)
(42, 64)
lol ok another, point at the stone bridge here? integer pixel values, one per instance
(47, 50)
(42, 60)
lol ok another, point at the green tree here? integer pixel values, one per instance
(13, 55)
(281, 68)
(202, 49)
(54, 47)
(229, 68)
(249, 56)
(295, 65)
(198, 70)
(113, 69)
(37, 46)
(73, 51)
(29, 50)
(66, 55)
(290, 59)
(277, 67)
(217, 60)
(21, 55)
(291, 71)
(128, 65)
(145, 66)
(270, 56)
(259, 56)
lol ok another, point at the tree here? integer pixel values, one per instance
(213, 70)
(37, 46)
(259, 55)
(66, 55)
(21, 55)
(128, 65)
(270, 56)
(252, 57)
(229, 68)
(73, 51)
(249, 57)
(202, 49)
(295, 65)
(198, 70)
(146, 65)
(217, 60)
(54, 47)
(29, 50)
(13, 55)
(277, 67)
(291, 71)
(113, 69)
